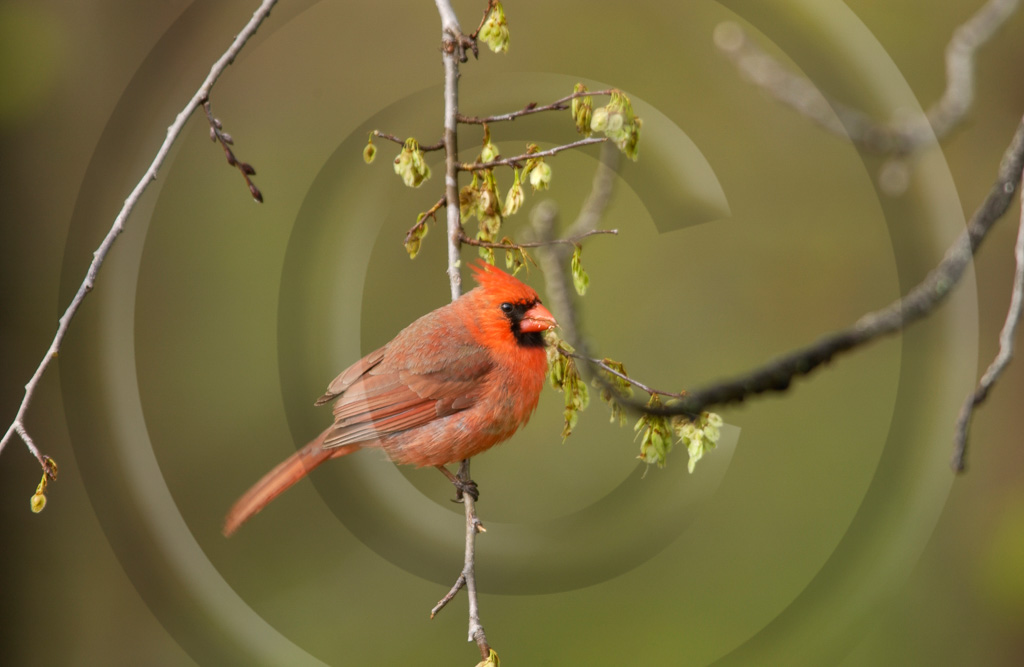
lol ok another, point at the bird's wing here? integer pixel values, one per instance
(396, 396)
(348, 376)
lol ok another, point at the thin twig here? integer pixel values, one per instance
(518, 160)
(532, 108)
(429, 213)
(1004, 356)
(217, 133)
(574, 241)
(401, 142)
(603, 365)
(899, 137)
(18, 425)
(449, 596)
(473, 527)
(483, 19)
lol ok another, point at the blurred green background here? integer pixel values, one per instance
(826, 530)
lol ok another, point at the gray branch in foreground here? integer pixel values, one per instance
(918, 302)
(173, 132)
(777, 375)
(898, 137)
(1004, 356)
(552, 257)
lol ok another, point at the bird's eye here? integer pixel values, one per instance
(506, 308)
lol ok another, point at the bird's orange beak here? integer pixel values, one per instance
(537, 318)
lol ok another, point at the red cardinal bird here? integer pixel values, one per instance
(453, 383)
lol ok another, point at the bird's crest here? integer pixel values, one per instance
(495, 281)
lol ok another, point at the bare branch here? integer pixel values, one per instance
(572, 242)
(958, 97)
(603, 365)
(473, 526)
(543, 218)
(449, 21)
(451, 30)
(531, 108)
(899, 137)
(600, 196)
(483, 20)
(401, 142)
(777, 375)
(918, 302)
(430, 213)
(1004, 356)
(449, 596)
(453, 52)
(217, 133)
(173, 132)
(454, 41)
(519, 159)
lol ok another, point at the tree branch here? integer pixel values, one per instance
(430, 213)
(919, 302)
(451, 35)
(401, 142)
(603, 365)
(453, 52)
(173, 132)
(1004, 356)
(898, 137)
(531, 108)
(600, 196)
(473, 526)
(483, 20)
(958, 96)
(574, 241)
(217, 133)
(777, 375)
(449, 596)
(519, 159)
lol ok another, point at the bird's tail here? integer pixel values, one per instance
(275, 482)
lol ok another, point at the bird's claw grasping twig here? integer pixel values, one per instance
(466, 488)
(463, 487)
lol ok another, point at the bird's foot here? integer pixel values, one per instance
(465, 488)
(462, 487)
